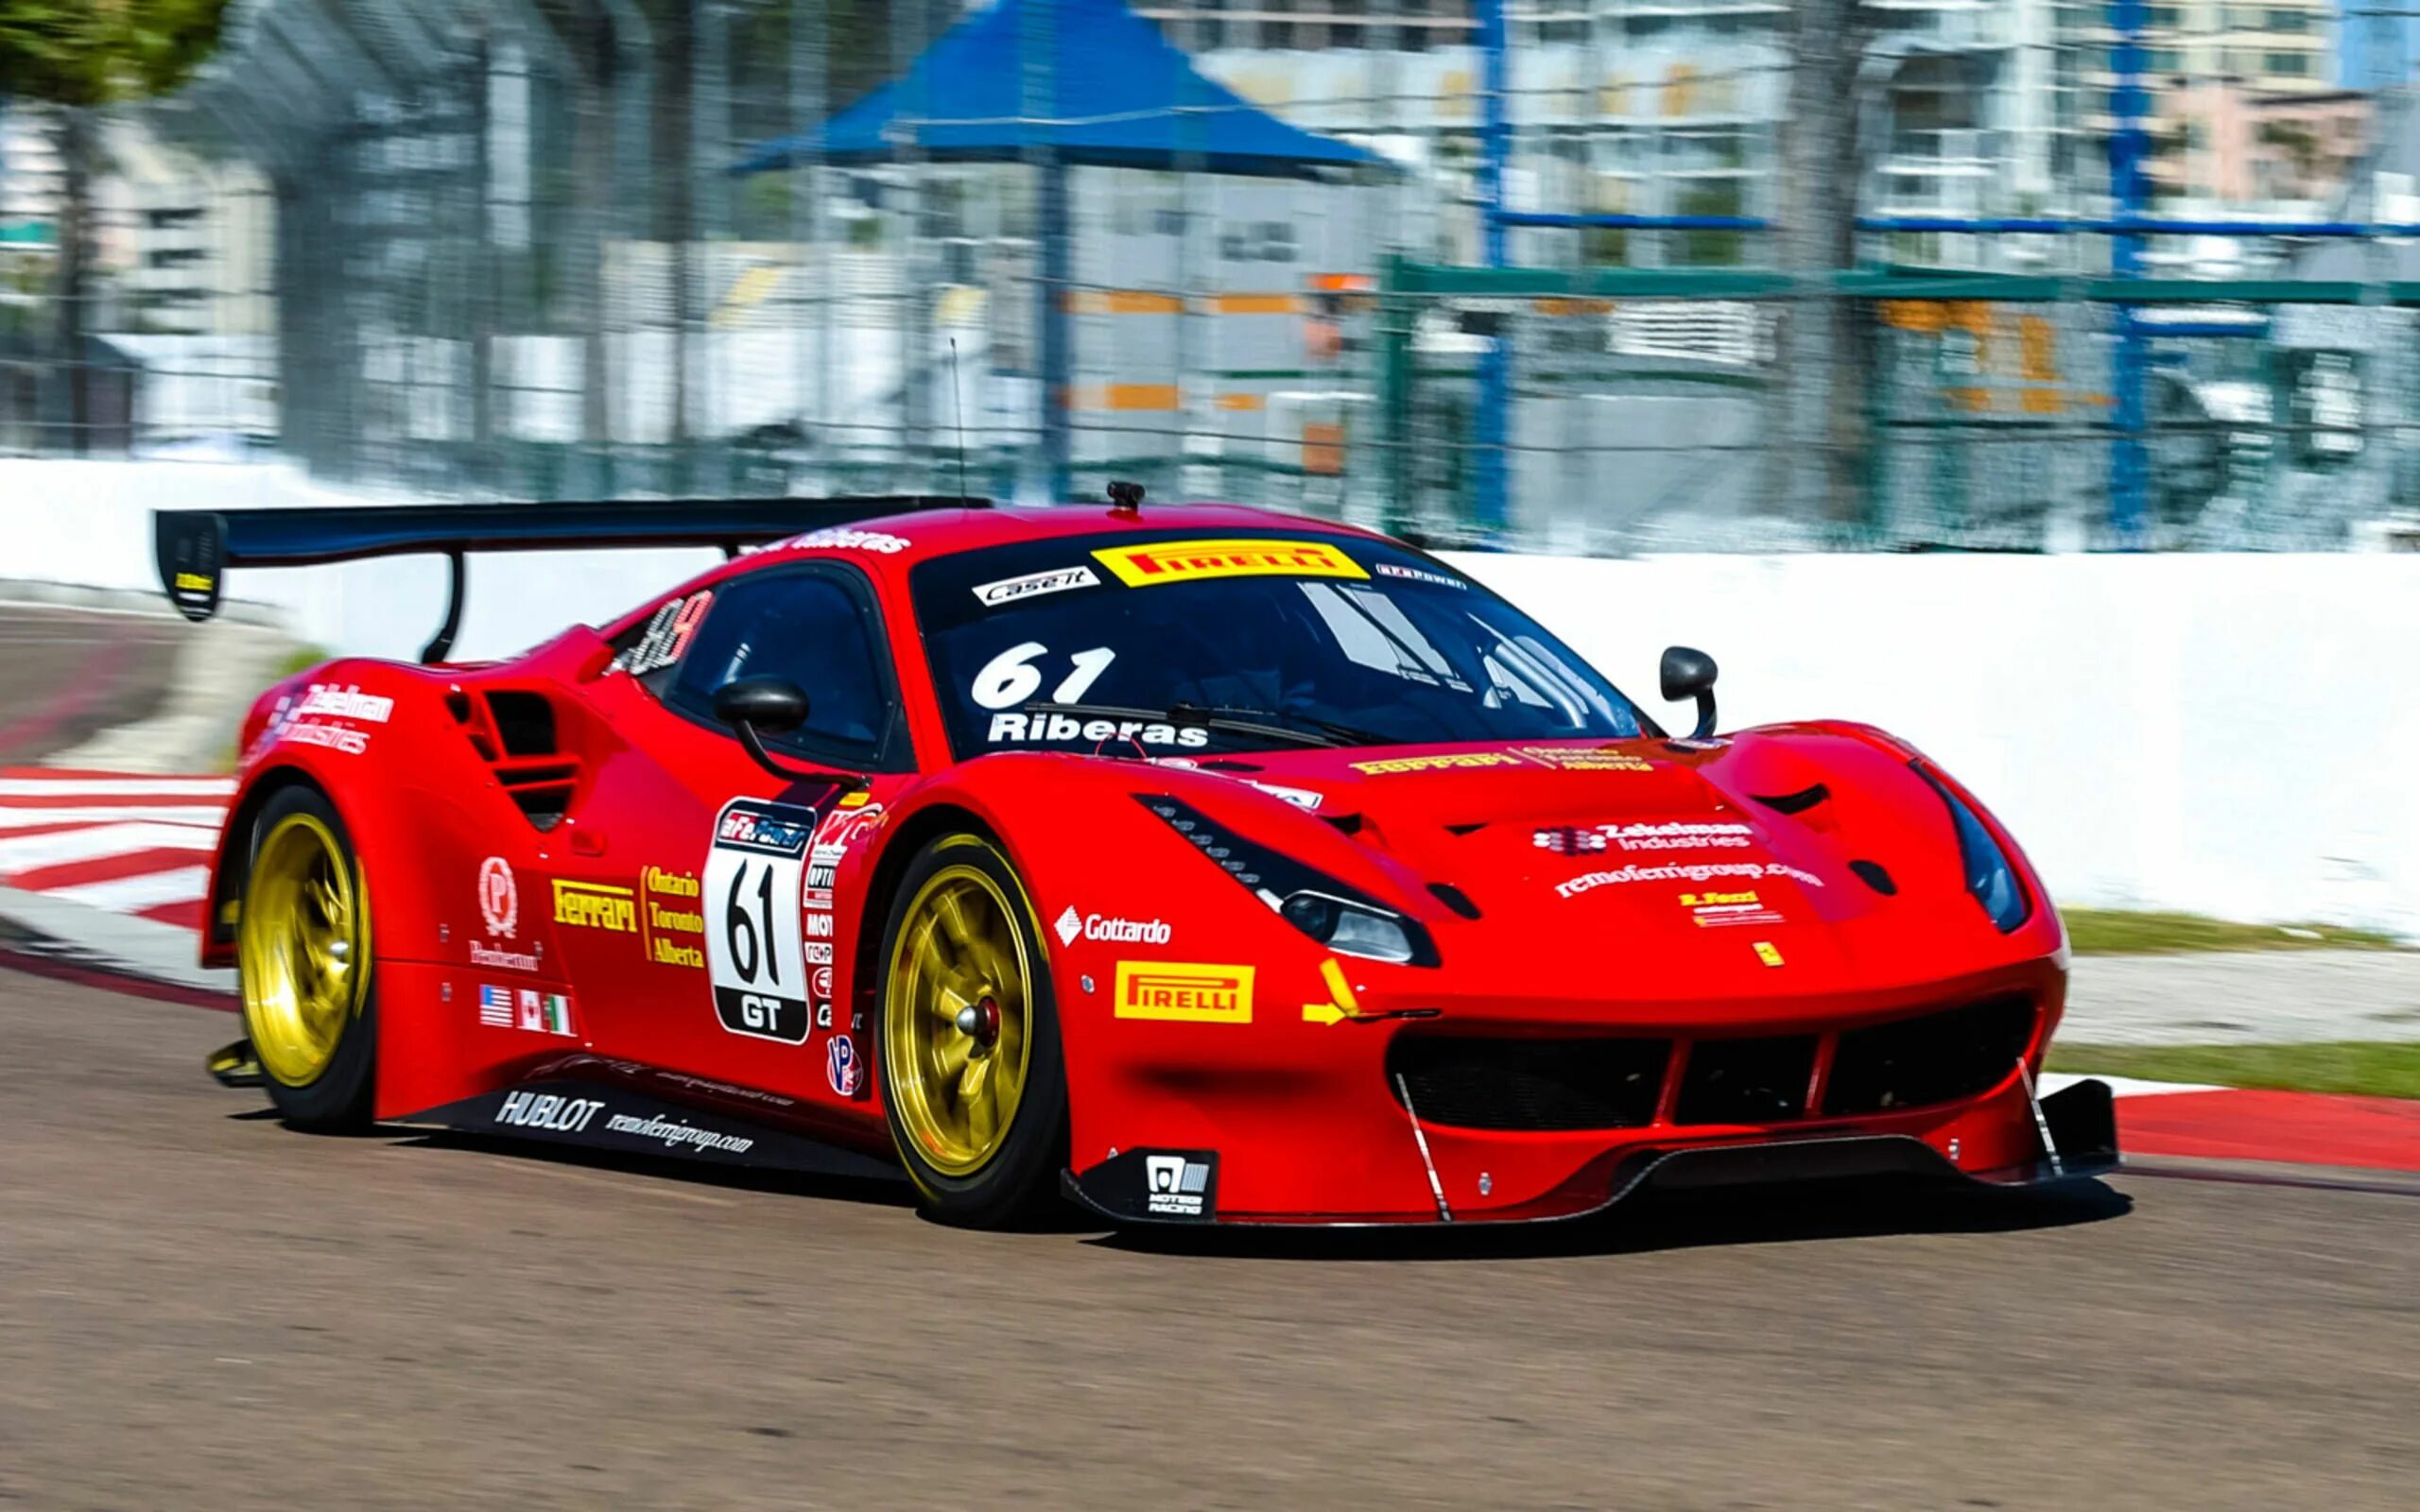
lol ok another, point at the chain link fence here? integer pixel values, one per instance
(497, 249)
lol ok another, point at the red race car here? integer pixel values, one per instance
(1199, 864)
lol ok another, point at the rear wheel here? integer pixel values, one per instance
(303, 954)
(972, 1080)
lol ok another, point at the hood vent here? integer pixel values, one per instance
(1454, 898)
(1871, 874)
(1798, 802)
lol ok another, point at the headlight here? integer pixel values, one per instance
(1989, 876)
(1349, 928)
(1335, 914)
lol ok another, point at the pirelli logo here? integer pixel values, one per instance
(1184, 991)
(593, 905)
(1177, 561)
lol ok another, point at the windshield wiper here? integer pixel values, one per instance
(1304, 730)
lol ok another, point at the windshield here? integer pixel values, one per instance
(1169, 642)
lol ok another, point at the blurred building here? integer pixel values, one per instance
(2220, 142)
(2275, 46)
(1413, 26)
(190, 240)
(2278, 48)
(30, 175)
(1674, 108)
(178, 245)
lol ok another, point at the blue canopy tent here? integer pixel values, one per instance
(1059, 84)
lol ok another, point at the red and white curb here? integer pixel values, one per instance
(2202, 1123)
(135, 846)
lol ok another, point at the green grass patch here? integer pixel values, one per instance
(2121, 931)
(302, 658)
(2361, 1067)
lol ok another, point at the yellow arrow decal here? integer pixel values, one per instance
(1341, 1006)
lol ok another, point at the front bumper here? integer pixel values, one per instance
(2073, 1139)
(1509, 1109)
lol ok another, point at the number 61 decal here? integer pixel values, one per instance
(755, 957)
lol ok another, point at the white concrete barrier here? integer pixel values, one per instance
(2229, 735)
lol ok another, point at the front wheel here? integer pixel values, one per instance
(973, 1083)
(303, 956)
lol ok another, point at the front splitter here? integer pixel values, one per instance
(1143, 1186)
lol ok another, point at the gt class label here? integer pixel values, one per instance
(755, 956)
(1177, 561)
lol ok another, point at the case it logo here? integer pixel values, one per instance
(1184, 991)
(499, 899)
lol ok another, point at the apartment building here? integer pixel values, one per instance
(30, 177)
(2222, 144)
(1673, 108)
(2272, 46)
(2203, 62)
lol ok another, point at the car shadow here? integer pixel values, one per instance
(1799, 1212)
(1654, 1221)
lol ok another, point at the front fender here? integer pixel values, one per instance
(1184, 998)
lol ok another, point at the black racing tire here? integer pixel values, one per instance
(336, 1096)
(1017, 1181)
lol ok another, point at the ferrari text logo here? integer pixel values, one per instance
(1448, 761)
(1178, 562)
(1184, 991)
(593, 905)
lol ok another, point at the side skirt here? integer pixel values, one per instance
(601, 1116)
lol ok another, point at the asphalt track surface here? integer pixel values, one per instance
(68, 674)
(200, 1308)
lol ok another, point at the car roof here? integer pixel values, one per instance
(887, 546)
(932, 533)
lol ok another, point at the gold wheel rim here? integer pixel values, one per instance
(303, 951)
(957, 1019)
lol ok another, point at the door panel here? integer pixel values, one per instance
(709, 906)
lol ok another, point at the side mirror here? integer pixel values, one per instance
(1688, 673)
(774, 704)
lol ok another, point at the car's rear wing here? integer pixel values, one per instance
(196, 546)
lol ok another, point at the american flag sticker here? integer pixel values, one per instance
(495, 1008)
